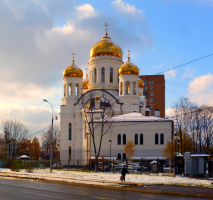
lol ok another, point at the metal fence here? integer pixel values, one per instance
(115, 166)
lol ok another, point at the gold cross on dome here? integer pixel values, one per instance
(73, 58)
(106, 28)
(128, 55)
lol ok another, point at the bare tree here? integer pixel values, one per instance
(98, 112)
(194, 122)
(46, 141)
(14, 133)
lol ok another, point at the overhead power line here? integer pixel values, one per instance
(186, 63)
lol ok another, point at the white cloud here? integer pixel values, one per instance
(170, 74)
(125, 8)
(25, 92)
(85, 11)
(159, 66)
(201, 90)
(169, 112)
(130, 13)
(188, 73)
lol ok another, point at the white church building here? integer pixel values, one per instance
(115, 87)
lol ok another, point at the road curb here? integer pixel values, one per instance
(45, 179)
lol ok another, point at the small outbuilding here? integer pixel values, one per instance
(194, 163)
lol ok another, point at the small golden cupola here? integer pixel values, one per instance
(85, 82)
(73, 70)
(140, 83)
(106, 47)
(128, 68)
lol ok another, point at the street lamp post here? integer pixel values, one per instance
(110, 142)
(51, 137)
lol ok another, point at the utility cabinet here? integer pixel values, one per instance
(194, 163)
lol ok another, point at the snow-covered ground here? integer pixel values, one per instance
(106, 178)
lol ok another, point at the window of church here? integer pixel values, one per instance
(102, 75)
(65, 90)
(119, 139)
(136, 139)
(70, 89)
(119, 156)
(161, 138)
(124, 139)
(69, 153)
(134, 88)
(156, 138)
(95, 75)
(141, 138)
(111, 75)
(127, 87)
(70, 131)
(77, 89)
(124, 156)
(144, 82)
(121, 88)
(117, 77)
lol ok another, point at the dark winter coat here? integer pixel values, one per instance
(124, 171)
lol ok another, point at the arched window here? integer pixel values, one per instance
(95, 75)
(70, 89)
(141, 138)
(77, 89)
(119, 156)
(118, 78)
(161, 138)
(65, 90)
(119, 139)
(127, 87)
(111, 75)
(121, 88)
(70, 131)
(134, 88)
(124, 139)
(102, 75)
(124, 156)
(156, 138)
(136, 139)
(69, 153)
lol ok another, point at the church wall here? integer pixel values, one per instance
(107, 64)
(148, 149)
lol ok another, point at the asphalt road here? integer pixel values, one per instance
(15, 189)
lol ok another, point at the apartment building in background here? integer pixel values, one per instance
(154, 91)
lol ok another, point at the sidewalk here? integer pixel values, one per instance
(183, 191)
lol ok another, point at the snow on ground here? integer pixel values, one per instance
(109, 178)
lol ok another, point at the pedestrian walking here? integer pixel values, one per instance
(124, 171)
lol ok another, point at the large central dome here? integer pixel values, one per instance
(106, 47)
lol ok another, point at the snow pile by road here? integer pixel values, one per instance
(106, 178)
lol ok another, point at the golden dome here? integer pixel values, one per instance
(106, 47)
(128, 68)
(73, 71)
(85, 82)
(140, 83)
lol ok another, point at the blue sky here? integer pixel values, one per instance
(37, 39)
